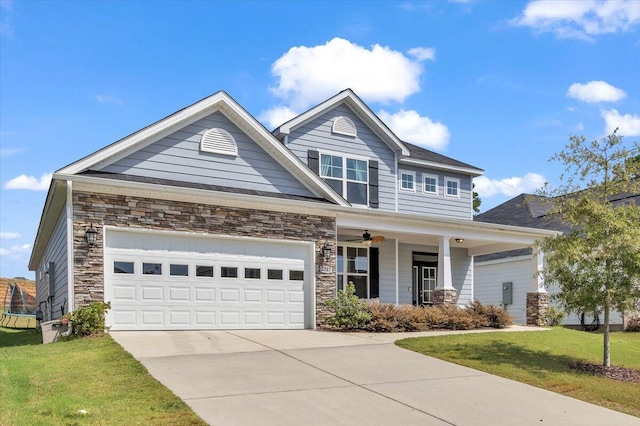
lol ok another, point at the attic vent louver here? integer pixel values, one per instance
(218, 141)
(344, 126)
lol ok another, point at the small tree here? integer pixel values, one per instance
(597, 263)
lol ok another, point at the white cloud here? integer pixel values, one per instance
(423, 53)
(595, 91)
(411, 127)
(308, 75)
(9, 235)
(627, 124)
(510, 187)
(106, 99)
(30, 182)
(276, 116)
(579, 19)
(15, 251)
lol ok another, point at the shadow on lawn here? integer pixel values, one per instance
(539, 362)
(19, 337)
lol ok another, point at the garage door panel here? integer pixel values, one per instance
(188, 290)
(151, 294)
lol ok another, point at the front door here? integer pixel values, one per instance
(425, 268)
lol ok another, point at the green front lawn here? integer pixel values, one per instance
(50, 384)
(541, 359)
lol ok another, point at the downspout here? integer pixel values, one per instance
(396, 183)
(70, 259)
(397, 274)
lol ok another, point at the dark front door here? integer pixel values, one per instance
(425, 269)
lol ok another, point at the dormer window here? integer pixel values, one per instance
(218, 141)
(344, 126)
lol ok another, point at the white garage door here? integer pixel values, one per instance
(181, 282)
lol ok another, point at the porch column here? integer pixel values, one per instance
(537, 297)
(444, 293)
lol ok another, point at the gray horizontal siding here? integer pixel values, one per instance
(178, 157)
(56, 252)
(488, 289)
(429, 204)
(316, 135)
(387, 258)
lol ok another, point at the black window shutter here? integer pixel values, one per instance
(374, 200)
(374, 273)
(313, 161)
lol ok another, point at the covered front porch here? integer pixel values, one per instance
(419, 260)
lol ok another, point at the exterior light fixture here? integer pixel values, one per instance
(326, 251)
(90, 236)
(459, 240)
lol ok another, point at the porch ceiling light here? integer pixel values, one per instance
(459, 240)
(91, 235)
(326, 251)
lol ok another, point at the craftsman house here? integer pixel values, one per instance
(206, 220)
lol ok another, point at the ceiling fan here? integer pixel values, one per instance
(367, 239)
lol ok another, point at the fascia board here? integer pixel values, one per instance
(46, 225)
(439, 166)
(174, 193)
(362, 110)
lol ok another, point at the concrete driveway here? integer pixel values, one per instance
(313, 377)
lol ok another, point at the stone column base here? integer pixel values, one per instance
(445, 296)
(537, 306)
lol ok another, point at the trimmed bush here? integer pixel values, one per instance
(88, 320)
(349, 311)
(554, 316)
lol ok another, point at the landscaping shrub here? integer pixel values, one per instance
(88, 320)
(554, 316)
(633, 323)
(349, 311)
(383, 317)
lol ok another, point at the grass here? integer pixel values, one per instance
(49, 384)
(540, 359)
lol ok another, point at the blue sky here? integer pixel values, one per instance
(498, 84)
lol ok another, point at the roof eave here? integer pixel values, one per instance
(474, 172)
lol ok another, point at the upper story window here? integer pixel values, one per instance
(452, 187)
(344, 126)
(430, 184)
(347, 176)
(407, 181)
(218, 141)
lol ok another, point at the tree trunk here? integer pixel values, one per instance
(607, 355)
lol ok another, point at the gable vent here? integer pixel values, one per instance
(218, 141)
(344, 126)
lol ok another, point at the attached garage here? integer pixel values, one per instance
(183, 281)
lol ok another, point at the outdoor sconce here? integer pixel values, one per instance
(459, 240)
(326, 251)
(90, 236)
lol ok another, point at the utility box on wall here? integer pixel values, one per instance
(507, 293)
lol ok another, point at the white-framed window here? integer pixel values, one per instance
(353, 266)
(430, 184)
(452, 187)
(407, 181)
(348, 176)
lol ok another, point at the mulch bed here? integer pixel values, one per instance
(616, 373)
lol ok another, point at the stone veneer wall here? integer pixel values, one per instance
(445, 296)
(127, 211)
(537, 307)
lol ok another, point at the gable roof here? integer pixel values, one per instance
(219, 101)
(349, 98)
(425, 157)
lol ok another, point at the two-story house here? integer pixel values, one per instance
(207, 220)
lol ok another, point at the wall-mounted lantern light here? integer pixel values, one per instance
(459, 240)
(90, 236)
(326, 251)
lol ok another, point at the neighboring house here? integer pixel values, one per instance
(513, 269)
(206, 220)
